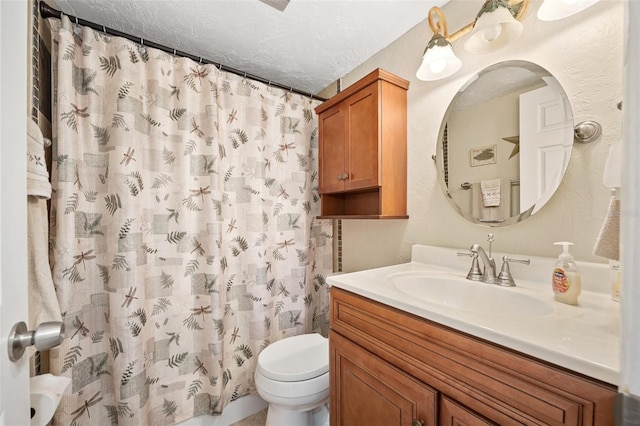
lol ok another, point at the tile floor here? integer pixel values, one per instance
(258, 419)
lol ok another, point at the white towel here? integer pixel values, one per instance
(490, 192)
(608, 242)
(43, 301)
(491, 214)
(38, 183)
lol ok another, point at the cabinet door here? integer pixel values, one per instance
(363, 151)
(454, 414)
(366, 390)
(332, 137)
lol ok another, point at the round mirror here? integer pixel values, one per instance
(505, 143)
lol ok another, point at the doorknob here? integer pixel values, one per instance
(46, 336)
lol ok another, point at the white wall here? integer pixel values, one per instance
(584, 53)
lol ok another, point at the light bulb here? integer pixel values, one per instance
(437, 66)
(491, 33)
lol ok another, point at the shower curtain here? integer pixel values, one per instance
(184, 238)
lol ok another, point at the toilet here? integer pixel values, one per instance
(293, 377)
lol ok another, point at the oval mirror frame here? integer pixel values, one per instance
(510, 122)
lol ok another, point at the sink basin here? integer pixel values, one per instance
(456, 292)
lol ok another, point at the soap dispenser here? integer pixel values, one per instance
(566, 277)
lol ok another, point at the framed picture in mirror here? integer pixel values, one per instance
(483, 156)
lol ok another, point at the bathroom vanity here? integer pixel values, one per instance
(403, 352)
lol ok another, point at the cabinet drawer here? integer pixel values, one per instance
(502, 385)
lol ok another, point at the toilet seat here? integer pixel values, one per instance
(295, 359)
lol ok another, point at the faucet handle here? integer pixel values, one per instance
(505, 278)
(475, 274)
(516, 260)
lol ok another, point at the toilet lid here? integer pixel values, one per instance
(296, 358)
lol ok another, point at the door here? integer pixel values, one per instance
(14, 386)
(365, 390)
(363, 138)
(630, 238)
(545, 145)
(454, 414)
(333, 172)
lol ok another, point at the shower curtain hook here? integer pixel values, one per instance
(200, 60)
(104, 30)
(76, 18)
(141, 41)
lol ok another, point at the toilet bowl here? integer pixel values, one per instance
(293, 377)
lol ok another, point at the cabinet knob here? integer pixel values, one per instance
(343, 177)
(416, 422)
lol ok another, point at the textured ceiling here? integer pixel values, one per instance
(308, 46)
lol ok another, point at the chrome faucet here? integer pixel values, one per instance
(488, 272)
(488, 264)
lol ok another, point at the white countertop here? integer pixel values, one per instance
(583, 338)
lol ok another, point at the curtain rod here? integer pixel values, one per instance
(47, 11)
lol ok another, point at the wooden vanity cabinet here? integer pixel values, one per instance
(363, 149)
(370, 391)
(400, 369)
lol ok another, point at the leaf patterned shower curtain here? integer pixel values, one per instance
(184, 237)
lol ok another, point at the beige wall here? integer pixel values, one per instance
(584, 53)
(469, 129)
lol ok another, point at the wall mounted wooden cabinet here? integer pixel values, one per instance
(399, 369)
(363, 149)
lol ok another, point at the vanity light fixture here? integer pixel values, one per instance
(496, 25)
(438, 60)
(552, 10)
(495, 28)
